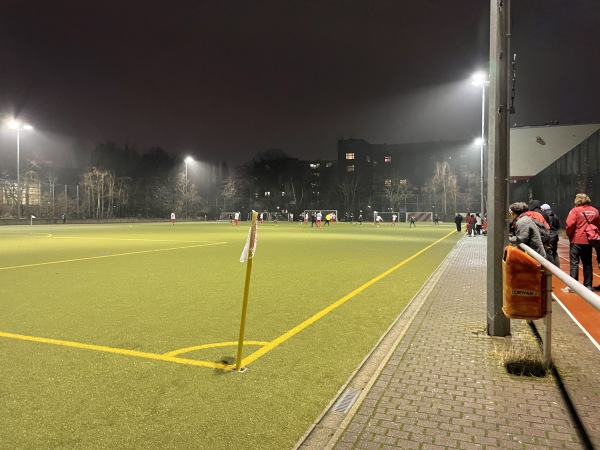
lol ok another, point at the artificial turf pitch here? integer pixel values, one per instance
(119, 336)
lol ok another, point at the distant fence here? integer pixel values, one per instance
(6, 222)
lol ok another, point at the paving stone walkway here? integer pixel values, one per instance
(444, 384)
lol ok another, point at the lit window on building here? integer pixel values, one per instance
(314, 165)
(403, 182)
(349, 155)
(350, 168)
(329, 164)
(388, 182)
(388, 159)
(368, 159)
(283, 194)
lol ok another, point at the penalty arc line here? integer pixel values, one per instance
(168, 357)
(300, 327)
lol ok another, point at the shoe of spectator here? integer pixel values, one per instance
(567, 289)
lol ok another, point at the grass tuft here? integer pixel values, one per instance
(522, 361)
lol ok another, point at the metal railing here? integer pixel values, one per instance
(576, 286)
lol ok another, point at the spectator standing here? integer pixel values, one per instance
(579, 247)
(478, 224)
(554, 223)
(458, 221)
(469, 225)
(523, 229)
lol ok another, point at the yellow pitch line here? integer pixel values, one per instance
(298, 328)
(205, 346)
(118, 239)
(110, 256)
(169, 357)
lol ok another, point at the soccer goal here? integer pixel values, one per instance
(227, 216)
(386, 216)
(420, 216)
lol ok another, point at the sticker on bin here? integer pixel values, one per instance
(525, 292)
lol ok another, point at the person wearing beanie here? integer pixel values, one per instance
(523, 229)
(554, 223)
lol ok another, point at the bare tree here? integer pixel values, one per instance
(394, 190)
(229, 191)
(347, 191)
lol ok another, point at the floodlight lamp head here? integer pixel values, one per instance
(479, 79)
(16, 125)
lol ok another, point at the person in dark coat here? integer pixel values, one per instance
(458, 221)
(554, 223)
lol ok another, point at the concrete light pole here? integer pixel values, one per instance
(498, 157)
(16, 125)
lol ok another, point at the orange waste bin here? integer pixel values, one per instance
(524, 285)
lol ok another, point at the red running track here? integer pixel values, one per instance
(587, 316)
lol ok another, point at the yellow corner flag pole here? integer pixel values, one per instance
(247, 255)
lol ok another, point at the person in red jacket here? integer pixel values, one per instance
(579, 247)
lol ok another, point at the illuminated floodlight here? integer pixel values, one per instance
(16, 125)
(480, 79)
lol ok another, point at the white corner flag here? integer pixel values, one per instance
(247, 255)
(250, 247)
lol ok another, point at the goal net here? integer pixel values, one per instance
(227, 216)
(420, 216)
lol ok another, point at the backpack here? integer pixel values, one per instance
(544, 232)
(592, 233)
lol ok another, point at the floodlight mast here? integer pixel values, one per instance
(187, 160)
(16, 125)
(481, 79)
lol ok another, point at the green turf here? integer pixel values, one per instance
(156, 288)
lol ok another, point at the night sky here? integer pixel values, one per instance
(223, 80)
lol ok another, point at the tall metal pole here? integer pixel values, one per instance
(186, 188)
(498, 157)
(482, 210)
(19, 171)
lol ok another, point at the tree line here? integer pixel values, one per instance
(119, 181)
